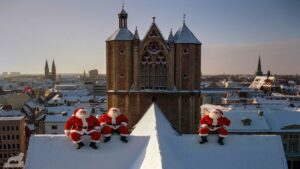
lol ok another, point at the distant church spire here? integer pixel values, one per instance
(136, 34)
(46, 69)
(259, 72)
(53, 71)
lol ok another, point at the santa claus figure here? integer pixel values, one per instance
(114, 121)
(82, 123)
(214, 121)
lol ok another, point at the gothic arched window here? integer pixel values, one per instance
(153, 67)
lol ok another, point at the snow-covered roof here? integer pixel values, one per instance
(154, 144)
(185, 35)
(10, 113)
(260, 81)
(121, 34)
(11, 118)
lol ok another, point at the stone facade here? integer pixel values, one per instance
(168, 72)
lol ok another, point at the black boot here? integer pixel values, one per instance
(220, 140)
(79, 145)
(107, 139)
(93, 145)
(124, 139)
(203, 140)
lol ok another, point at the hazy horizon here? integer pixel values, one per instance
(73, 32)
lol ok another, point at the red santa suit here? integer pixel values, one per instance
(114, 120)
(82, 123)
(214, 121)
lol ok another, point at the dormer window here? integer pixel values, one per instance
(121, 52)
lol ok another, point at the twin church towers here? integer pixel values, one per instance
(154, 69)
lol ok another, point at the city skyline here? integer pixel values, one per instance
(233, 34)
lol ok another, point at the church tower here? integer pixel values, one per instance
(53, 71)
(259, 71)
(46, 70)
(153, 69)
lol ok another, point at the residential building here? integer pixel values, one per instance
(12, 137)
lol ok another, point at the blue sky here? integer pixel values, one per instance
(73, 32)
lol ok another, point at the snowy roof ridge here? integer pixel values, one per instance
(153, 122)
(185, 35)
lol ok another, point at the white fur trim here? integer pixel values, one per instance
(103, 123)
(124, 124)
(97, 128)
(77, 141)
(107, 135)
(225, 126)
(221, 135)
(77, 131)
(84, 122)
(203, 134)
(204, 125)
(67, 131)
(95, 141)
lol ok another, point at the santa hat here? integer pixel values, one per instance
(218, 110)
(79, 110)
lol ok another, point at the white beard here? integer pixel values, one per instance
(214, 117)
(82, 115)
(114, 115)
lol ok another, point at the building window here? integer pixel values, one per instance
(7, 128)
(8, 146)
(8, 137)
(17, 128)
(5, 155)
(121, 75)
(185, 76)
(12, 137)
(13, 146)
(54, 127)
(4, 146)
(1, 156)
(12, 128)
(121, 52)
(0, 146)
(3, 128)
(17, 137)
(185, 51)
(3, 137)
(18, 145)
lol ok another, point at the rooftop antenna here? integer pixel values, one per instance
(184, 18)
(153, 19)
(122, 4)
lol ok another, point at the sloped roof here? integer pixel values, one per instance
(121, 34)
(154, 144)
(185, 35)
(260, 81)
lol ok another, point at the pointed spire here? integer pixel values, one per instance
(184, 18)
(136, 34)
(46, 65)
(171, 37)
(259, 71)
(122, 4)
